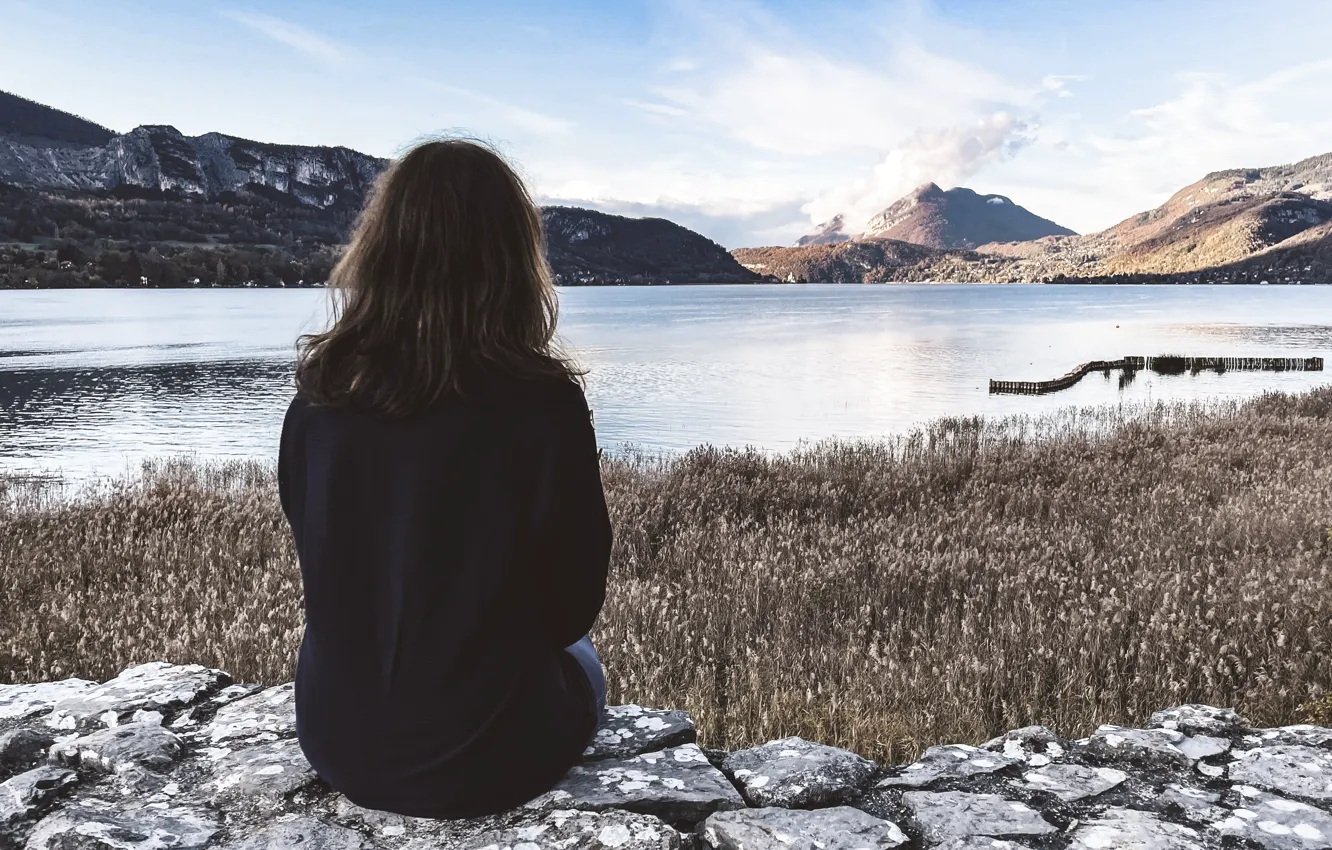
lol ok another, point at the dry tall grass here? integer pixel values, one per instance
(974, 576)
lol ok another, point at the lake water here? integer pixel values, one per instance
(92, 381)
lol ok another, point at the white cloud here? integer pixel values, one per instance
(946, 157)
(293, 35)
(655, 108)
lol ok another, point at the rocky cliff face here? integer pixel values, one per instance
(178, 756)
(45, 148)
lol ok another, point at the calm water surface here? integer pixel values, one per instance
(93, 381)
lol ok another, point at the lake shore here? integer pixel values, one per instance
(971, 577)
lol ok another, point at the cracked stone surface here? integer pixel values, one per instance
(945, 815)
(1070, 782)
(24, 795)
(1302, 733)
(1291, 769)
(114, 750)
(305, 833)
(1195, 719)
(266, 773)
(1276, 823)
(24, 746)
(267, 715)
(796, 773)
(951, 761)
(567, 829)
(1130, 829)
(1140, 746)
(1199, 747)
(628, 730)
(837, 828)
(101, 825)
(1029, 738)
(1196, 805)
(675, 784)
(21, 701)
(155, 686)
(165, 756)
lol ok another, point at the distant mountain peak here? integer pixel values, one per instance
(938, 218)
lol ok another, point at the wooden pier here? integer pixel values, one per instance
(1165, 365)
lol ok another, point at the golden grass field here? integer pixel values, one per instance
(971, 577)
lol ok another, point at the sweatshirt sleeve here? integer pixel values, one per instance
(581, 535)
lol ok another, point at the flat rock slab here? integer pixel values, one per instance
(1130, 829)
(20, 701)
(25, 795)
(1198, 719)
(836, 828)
(156, 686)
(265, 773)
(947, 815)
(114, 750)
(1070, 782)
(566, 829)
(980, 842)
(1156, 747)
(305, 833)
(628, 730)
(24, 746)
(1290, 769)
(676, 784)
(796, 773)
(1196, 805)
(952, 761)
(267, 715)
(101, 825)
(1200, 747)
(1276, 823)
(1302, 733)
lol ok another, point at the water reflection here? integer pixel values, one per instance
(91, 381)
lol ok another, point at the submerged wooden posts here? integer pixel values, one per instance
(1168, 364)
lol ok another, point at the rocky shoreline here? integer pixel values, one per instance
(177, 756)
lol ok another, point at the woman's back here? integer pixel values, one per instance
(447, 557)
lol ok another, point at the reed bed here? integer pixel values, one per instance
(969, 577)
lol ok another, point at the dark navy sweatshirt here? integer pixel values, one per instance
(447, 559)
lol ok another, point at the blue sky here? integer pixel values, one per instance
(748, 121)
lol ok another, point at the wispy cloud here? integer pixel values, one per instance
(655, 108)
(292, 35)
(519, 117)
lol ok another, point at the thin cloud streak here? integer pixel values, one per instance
(520, 117)
(292, 35)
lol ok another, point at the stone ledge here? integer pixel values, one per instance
(177, 756)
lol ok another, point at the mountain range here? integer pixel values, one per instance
(1246, 225)
(82, 205)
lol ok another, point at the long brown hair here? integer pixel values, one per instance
(445, 275)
